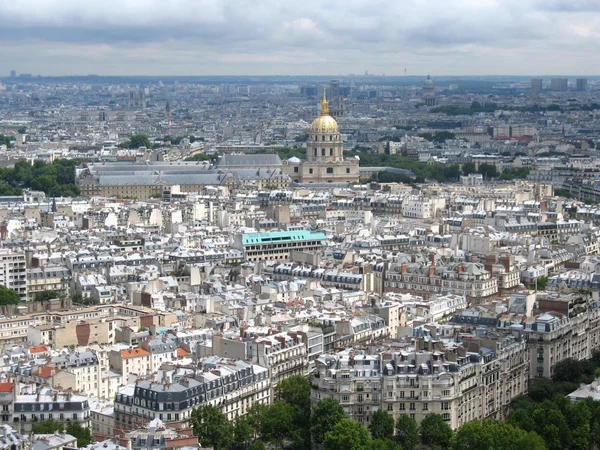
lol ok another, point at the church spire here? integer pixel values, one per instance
(324, 103)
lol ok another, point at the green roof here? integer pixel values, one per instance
(281, 236)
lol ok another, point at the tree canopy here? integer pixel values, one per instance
(212, 427)
(56, 179)
(136, 141)
(435, 432)
(347, 435)
(325, 415)
(8, 297)
(46, 295)
(83, 435)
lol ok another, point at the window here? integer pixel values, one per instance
(446, 417)
(330, 170)
(310, 170)
(330, 152)
(347, 170)
(296, 169)
(322, 152)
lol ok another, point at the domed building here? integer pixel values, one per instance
(429, 92)
(325, 161)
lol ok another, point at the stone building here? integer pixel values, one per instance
(325, 162)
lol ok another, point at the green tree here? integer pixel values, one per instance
(407, 432)
(325, 415)
(242, 432)
(255, 415)
(489, 435)
(381, 425)
(22, 130)
(137, 141)
(488, 170)
(212, 427)
(468, 168)
(347, 435)
(572, 370)
(47, 427)
(257, 445)
(278, 423)
(435, 432)
(295, 391)
(579, 418)
(46, 295)
(83, 435)
(384, 444)
(8, 297)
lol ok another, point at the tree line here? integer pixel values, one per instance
(544, 419)
(56, 179)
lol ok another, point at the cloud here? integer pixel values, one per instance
(310, 36)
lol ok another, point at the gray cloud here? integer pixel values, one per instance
(283, 36)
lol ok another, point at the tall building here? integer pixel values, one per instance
(536, 85)
(336, 107)
(581, 84)
(13, 273)
(13, 73)
(324, 153)
(429, 92)
(137, 99)
(559, 84)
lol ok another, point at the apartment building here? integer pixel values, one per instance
(420, 207)
(566, 327)
(13, 273)
(48, 278)
(469, 279)
(277, 245)
(132, 361)
(34, 404)
(461, 382)
(231, 385)
(283, 354)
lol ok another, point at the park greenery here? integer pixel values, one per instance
(83, 435)
(200, 157)
(56, 179)
(489, 107)
(6, 140)
(438, 137)
(45, 296)
(542, 419)
(136, 141)
(8, 297)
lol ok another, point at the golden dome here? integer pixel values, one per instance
(324, 123)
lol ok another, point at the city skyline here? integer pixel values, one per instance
(188, 38)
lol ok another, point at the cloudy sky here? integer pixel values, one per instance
(300, 37)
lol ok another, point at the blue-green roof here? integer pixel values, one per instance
(281, 236)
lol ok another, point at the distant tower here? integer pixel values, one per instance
(13, 73)
(559, 84)
(581, 84)
(336, 100)
(137, 100)
(536, 85)
(429, 92)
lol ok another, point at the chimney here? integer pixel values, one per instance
(403, 268)
(432, 257)
(460, 268)
(431, 271)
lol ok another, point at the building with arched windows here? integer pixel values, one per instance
(325, 162)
